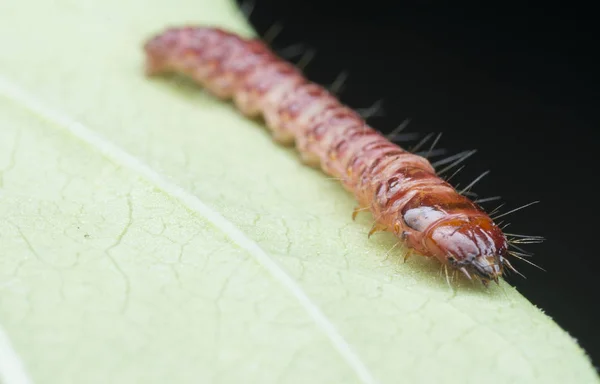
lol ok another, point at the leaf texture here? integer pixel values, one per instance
(150, 233)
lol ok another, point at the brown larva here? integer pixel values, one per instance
(401, 189)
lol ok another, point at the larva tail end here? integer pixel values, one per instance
(154, 62)
(156, 50)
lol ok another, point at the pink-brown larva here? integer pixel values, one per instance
(401, 189)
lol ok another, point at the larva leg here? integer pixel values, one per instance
(358, 210)
(307, 157)
(310, 159)
(221, 87)
(246, 103)
(377, 227)
(283, 138)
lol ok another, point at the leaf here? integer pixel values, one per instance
(152, 234)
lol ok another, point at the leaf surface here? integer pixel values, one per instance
(150, 233)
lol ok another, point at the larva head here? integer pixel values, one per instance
(472, 244)
(458, 235)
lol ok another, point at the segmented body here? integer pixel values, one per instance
(401, 189)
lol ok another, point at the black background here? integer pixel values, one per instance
(519, 83)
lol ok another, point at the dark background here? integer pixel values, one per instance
(519, 83)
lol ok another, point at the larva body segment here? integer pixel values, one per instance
(401, 189)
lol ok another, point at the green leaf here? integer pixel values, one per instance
(150, 233)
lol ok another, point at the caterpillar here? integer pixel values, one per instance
(400, 188)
